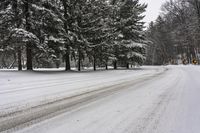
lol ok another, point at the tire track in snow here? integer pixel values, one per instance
(149, 123)
(26, 117)
(61, 92)
(42, 84)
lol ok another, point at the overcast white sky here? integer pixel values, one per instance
(153, 9)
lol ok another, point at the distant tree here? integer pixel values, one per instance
(175, 34)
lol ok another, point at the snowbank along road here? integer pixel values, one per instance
(147, 100)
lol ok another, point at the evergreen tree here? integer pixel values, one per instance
(46, 30)
(129, 41)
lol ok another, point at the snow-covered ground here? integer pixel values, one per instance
(147, 100)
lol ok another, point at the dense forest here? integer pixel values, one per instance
(71, 33)
(96, 33)
(175, 35)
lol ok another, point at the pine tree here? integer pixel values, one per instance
(42, 23)
(95, 30)
(129, 40)
(49, 29)
(10, 13)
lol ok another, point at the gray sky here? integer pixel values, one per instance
(153, 9)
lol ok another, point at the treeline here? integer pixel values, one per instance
(38, 33)
(175, 35)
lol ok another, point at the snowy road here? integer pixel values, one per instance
(151, 100)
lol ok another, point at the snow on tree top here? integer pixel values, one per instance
(59, 40)
(136, 54)
(24, 35)
(135, 44)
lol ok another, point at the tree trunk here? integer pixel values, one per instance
(127, 65)
(66, 23)
(106, 66)
(29, 57)
(79, 61)
(19, 52)
(115, 64)
(19, 56)
(28, 46)
(67, 60)
(94, 63)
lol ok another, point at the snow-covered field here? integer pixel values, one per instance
(147, 100)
